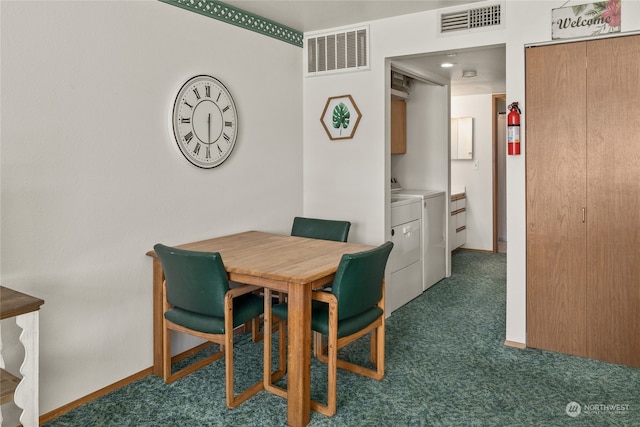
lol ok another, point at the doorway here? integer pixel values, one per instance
(474, 75)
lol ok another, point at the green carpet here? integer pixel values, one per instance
(446, 365)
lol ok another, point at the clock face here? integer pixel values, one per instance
(205, 121)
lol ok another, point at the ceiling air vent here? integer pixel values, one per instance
(471, 19)
(346, 50)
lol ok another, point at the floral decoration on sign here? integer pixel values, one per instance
(590, 19)
(340, 117)
(603, 14)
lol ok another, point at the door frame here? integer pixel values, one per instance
(495, 99)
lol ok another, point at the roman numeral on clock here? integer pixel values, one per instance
(195, 90)
(228, 124)
(207, 91)
(185, 119)
(188, 137)
(196, 149)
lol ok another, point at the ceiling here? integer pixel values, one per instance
(313, 15)
(488, 62)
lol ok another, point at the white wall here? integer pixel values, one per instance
(477, 182)
(92, 178)
(425, 164)
(342, 178)
(364, 163)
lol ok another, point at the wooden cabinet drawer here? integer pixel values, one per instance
(458, 223)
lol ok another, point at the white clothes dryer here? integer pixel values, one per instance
(434, 211)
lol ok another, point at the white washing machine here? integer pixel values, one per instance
(434, 211)
(405, 261)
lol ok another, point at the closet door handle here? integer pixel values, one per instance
(584, 214)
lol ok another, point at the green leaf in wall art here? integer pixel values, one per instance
(340, 117)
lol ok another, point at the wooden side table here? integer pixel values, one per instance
(24, 393)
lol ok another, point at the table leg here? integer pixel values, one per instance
(299, 362)
(158, 278)
(26, 396)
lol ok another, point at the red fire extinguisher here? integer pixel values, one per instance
(513, 129)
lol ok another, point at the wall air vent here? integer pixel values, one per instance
(472, 19)
(345, 50)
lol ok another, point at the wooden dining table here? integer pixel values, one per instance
(295, 265)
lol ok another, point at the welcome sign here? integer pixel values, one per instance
(590, 19)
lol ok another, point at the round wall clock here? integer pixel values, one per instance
(205, 121)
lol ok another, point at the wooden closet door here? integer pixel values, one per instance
(555, 150)
(613, 207)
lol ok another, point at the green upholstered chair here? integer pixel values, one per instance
(325, 229)
(314, 228)
(353, 308)
(199, 301)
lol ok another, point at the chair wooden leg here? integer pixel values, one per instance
(332, 365)
(255, 329)
(379, 333)
(233, 400)
(166, 351)
(319, 349)
(373, 348)
(268, 376)
(376, 328)
(332, 388)
(376, 352)
(167, 373)
(282, 349)
(166, 338)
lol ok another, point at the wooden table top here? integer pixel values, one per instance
(276, 257)
(14, 303)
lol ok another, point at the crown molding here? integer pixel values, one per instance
(232, 15)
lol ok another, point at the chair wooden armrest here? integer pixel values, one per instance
(327, 297)
(241, 290)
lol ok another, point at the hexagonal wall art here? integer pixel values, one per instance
(340, 117)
